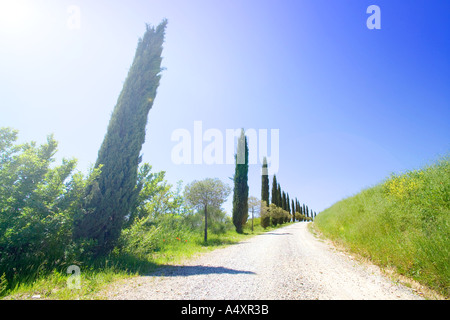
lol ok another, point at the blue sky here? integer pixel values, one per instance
(352, 105)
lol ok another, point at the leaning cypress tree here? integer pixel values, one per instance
(110, 198)
(240, 196)
(265, 183)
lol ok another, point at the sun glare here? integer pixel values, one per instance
(16, 15)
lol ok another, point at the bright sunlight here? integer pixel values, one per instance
(16, 15)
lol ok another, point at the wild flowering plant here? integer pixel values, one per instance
(403, 186)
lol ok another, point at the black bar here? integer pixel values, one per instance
(223, 309)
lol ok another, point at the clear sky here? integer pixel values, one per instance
(352, 105)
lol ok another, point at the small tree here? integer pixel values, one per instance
(254, 205)
(264, 214)
(207, 193)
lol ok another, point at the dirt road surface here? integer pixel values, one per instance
(289, 263)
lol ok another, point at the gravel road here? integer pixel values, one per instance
(288, 263)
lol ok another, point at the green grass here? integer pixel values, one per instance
(402, 223)
(96, 276)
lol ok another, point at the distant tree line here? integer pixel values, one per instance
(281, 208)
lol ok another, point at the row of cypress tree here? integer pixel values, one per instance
(281, 209)
(281, 199)
(110, 197)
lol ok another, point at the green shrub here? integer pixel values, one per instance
(37, 203)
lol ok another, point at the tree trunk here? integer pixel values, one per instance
(206, 223)
(252, 219)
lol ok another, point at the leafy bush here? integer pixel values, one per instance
(37, 204)
(278, 215)
(265, 215)
(158, 218)
(3, 283)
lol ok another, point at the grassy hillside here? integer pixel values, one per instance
(403, 223)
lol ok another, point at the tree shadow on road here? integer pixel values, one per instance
(277, 233)
(185, 271)
(217, 242)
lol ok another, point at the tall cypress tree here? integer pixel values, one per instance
(300, 210)
(288, 203)
(288, 210)
(240, 196)
(265, 183)
(283, 200)
(293, 210)
(274, 190)
(279, 196)
(110, 198)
